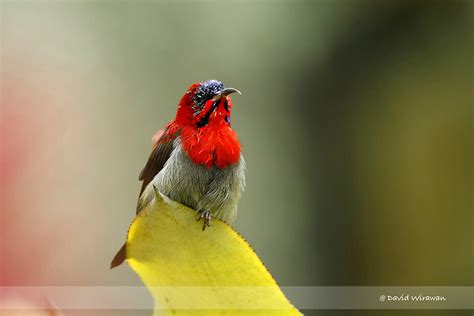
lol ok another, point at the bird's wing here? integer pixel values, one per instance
(162, 148)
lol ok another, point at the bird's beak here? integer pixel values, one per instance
(225, 92)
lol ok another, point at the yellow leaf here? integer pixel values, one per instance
(190, 271)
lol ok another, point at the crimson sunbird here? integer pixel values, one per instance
(196, 159)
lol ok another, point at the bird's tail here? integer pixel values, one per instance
(119, 257)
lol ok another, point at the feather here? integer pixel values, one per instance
(158, 157)
(162, 148)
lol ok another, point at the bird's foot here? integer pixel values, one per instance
(206, 217)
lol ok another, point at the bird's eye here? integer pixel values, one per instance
(198, 99)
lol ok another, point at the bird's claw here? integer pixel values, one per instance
(206, 217)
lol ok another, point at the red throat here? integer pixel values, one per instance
(211, 146)
(212, 143)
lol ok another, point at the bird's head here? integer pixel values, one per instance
(204, 104)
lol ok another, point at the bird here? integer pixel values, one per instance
(196, 158)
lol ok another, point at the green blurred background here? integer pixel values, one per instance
(356, 121)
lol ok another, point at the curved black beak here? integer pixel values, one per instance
(225, 92)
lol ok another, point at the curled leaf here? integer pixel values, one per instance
(190, 271)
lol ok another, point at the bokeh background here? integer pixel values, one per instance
(356, 121)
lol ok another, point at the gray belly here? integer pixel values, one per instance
(201, 188)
